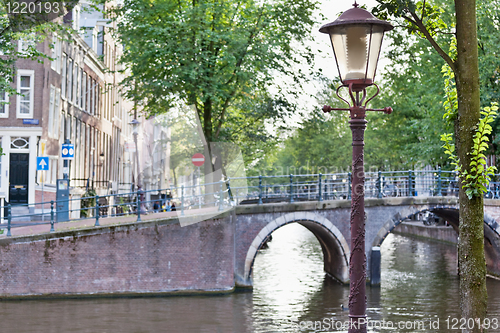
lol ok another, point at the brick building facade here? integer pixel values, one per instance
(74, 97)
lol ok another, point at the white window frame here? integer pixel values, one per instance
(31, 74)
(50, 127)
(79, 87)
(64, 75)
(53, 63)
(4, 98)
(56, 54)
(57, 112)
(76, 71)
(84, 91)
(76, 18)
(69, 83)
(24, 44)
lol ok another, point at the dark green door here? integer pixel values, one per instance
(18, 179)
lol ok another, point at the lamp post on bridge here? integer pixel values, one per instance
(356, 38)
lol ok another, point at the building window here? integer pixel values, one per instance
(54, 102)
(20, 143)
(56, 54)
(84, 91)
(24, 44)
(69, 83)
(50, 126)
(78, 86)
(88, 95)
(52, 174)
(63, 76)
(25, 87)
(57, 105)
(74, 97)
(82, 87)
(93, 88)
(76, 18)
(98, 100)
(4, 106)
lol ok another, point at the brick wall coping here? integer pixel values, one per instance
(116, 227)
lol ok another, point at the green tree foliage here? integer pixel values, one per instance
(33, 24)
(427, 19)
(475, 181)
(320, 143)
(220, 56)
(488, 13)
(413, 86)
(412, 83)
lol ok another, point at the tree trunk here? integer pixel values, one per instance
(209, 168)
(471, 260)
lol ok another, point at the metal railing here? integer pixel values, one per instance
(235, 191)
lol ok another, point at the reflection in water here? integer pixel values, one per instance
(419, 282)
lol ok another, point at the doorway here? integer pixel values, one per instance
(18, 179)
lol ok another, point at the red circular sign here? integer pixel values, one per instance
(198, 159)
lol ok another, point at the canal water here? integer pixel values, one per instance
(419, 293)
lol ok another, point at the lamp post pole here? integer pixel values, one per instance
(357, 261)
(135, 127)
(357, 270)
(356, 38)
(139, 185)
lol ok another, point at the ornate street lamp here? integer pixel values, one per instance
(356, 38)
(135, 131)
(101, 167)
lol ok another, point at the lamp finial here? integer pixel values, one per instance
(355, 5)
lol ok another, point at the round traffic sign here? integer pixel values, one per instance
(198, 159)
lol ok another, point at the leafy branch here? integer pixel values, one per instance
(450, 87)
(475, 180)
(450, 90)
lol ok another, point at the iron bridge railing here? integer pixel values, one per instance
(235, 191)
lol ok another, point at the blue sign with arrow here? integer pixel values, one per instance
(42, 163)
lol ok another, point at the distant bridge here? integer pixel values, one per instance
(212, 248)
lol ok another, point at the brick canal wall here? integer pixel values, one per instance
(146, 258)
(441, 233)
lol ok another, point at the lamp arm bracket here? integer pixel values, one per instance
(328, 108)
(386, 110)
(374, 95)
(356, 100)
(340, 97)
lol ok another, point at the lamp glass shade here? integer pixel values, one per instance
(357, 49)
(135, 125)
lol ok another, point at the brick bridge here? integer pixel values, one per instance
(329, 222)
(170, 255)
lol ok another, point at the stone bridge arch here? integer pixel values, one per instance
(404, 213)
(335, 248)
(449, 213)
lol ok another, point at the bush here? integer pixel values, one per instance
(88, 203)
